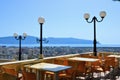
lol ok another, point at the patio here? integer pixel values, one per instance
(80, 66)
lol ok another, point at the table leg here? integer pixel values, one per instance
(38, 75)
(119, 62)
(56, 77)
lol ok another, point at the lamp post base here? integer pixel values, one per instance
(41, 56)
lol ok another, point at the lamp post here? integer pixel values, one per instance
(41, 21)
(94, 19)
(20, 37)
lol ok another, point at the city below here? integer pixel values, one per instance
(12, 52)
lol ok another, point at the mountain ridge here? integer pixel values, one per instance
(50, 40)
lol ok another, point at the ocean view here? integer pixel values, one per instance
(58, 45)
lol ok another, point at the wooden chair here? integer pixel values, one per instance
(104, 54)
(71, 73)
(12, 70)
(96, 67)
(6, 76)
(28, 74)
(64, 75)
(110, 68)
(109, 63)
(85, 55)
(61, 61)
(83, 70)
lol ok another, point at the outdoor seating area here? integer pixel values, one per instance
(85, 66)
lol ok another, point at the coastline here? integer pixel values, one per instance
(58, 45)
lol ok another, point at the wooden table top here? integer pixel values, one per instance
(116, 56)
(49, 67)
(84, 59)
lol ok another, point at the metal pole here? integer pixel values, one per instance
(41, 38)
(20, 38)
(95, 51)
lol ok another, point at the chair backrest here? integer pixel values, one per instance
(95, 57)
(28, 74)
(109, 62)
(85, 55)
(74, 65)
(61, 61)
(82, 66)
(6, 76)
(96, 63)
(104, 54)
(11, 69)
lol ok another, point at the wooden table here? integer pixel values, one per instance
(83, 59)
(116, 56)
(89, 60)
(48, 67)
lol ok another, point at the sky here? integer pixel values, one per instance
(63, 18)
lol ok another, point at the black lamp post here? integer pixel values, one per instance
(94, 19)
(41, 21)
(20, 37)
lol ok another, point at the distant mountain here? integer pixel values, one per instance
(69, 41)
(51, 40)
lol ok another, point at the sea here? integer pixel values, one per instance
(59, 45)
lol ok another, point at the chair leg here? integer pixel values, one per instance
(48, 77)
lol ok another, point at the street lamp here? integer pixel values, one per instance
(41, 20)
(94, 19)
(20, 37)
